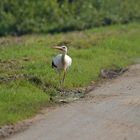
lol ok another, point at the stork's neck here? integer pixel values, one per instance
(63, 57)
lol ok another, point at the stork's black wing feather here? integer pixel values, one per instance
(53, 65)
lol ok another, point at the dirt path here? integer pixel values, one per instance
(109, 112)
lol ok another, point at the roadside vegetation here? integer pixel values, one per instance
(27, 80)
(30, 16)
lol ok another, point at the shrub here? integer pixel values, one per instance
(20, 17)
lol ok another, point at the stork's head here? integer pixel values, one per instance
(61, 48)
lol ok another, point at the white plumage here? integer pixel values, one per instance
(61, 62)
(57, 60)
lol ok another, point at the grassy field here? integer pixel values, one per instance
(27, 80)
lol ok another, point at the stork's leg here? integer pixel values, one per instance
(64, 75)
(60, 82)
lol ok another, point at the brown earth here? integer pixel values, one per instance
(109, 112)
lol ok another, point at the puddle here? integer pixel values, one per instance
(69, 96)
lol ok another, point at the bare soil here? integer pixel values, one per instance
(110, 111)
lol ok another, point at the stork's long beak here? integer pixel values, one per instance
(58, 48)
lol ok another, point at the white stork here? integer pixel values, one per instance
(61, 62)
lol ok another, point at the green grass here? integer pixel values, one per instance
(19, 100)
(106, 47)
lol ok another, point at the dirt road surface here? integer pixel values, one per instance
(109, 112)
